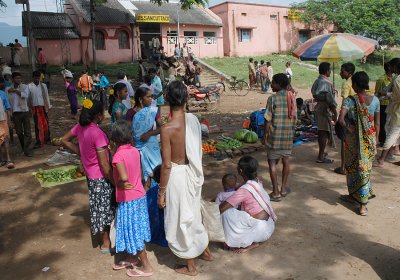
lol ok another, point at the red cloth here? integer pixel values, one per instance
(42, 58)
(42, 125)
(291, 103)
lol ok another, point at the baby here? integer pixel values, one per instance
(229, 182)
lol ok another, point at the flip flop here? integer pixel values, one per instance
(339, 170)
(105, 251)
(347, 198)
(325, 160)
(136, 272)
(274, 198)
(288, 191)
(121, 265)
(363, 213)
(10, 165)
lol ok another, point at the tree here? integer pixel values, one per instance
(376, 19)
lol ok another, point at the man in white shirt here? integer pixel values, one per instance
(19, 93)
(39, 102)
(131, 93)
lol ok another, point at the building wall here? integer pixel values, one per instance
(271, 30)
(53, 51)
(112, 53)
(201, 49)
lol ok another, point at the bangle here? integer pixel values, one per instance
(163, 187)
(161, 195)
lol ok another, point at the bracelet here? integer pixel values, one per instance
(161, 195)
(162, 187)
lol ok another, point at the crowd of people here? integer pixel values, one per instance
(146, 175)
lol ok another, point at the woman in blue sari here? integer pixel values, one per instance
(145, 131)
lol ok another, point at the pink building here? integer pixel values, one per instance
(67, 37)
(257, 29)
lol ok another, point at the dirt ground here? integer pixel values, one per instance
(316, 237)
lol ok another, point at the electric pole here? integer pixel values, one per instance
(92, 21)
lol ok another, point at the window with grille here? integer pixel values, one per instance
(100, 41)
(190, 37)
(210, 38)
(123, 40)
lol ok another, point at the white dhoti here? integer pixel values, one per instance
(187, 237)
(242, 230)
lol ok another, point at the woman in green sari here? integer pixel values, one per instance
(360, 116)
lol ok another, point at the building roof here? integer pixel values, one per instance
(50, 26)
(112, 12)
(195, 15)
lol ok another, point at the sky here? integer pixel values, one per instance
(12, 14)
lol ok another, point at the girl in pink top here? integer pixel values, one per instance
(133, 227)
(93, 150)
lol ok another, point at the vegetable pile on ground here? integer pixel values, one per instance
(208, 148)
(246, 136)
(58, 175)
(227, 143)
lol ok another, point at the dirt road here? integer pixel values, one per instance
(316, 237)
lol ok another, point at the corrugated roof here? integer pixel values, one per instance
(112, 12)
(195, 15)
(50, 26)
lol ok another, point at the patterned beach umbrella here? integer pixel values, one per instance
(333, 47)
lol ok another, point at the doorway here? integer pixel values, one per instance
(147, 32)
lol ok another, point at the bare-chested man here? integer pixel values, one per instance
(181, 182)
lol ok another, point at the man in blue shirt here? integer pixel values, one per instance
(158, 90)
(5, 113)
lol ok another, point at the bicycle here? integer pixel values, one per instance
(240, 87)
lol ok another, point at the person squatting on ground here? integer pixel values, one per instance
(19, 95)
(181, 182)
(39, 102)
(94, 153)
(360, 117)
(280, 121)
(254, 223)
(132, 222)
(346, 71)
(5, 122)
(324, 93)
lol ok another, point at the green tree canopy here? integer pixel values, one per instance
(376, 19)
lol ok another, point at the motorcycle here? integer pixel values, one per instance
(204, 97)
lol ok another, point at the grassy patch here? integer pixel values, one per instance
(303, 76)
(111, 71)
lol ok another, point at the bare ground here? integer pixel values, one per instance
(316, 237)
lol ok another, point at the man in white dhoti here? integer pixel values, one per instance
(181, 182)
(255, 223)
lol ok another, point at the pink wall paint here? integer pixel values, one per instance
(200, 49)
(267, 35)
(53, 51)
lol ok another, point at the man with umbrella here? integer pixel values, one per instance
(323, 92)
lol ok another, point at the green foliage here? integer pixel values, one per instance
(377, 19)
(185, 4)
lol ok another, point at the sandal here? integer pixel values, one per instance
(288, 191)
(2, 163)
(274, 198)
(10, 165)
(363, 213)
(325, 160)
(136, 272)
(122, 265)
(339, 170)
